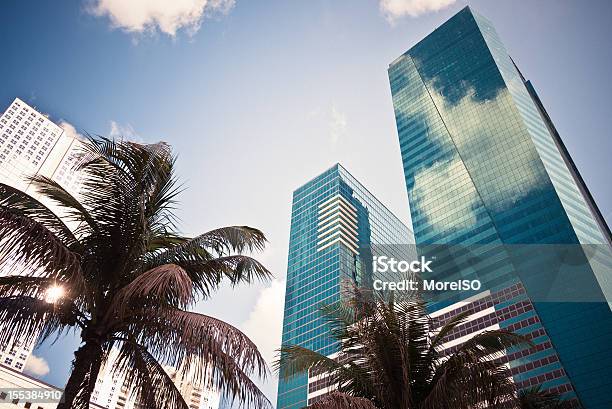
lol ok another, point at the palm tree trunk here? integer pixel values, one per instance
(85, 367)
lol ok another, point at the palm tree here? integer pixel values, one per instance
(390, 359)
(128, 277)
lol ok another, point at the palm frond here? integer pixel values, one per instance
(199, 345)
(28, 247)
(25, 285)
(234, 239)
(163, 239)
(337, 400)
(235, 268)
(20, 203)
(73, 209)
(167, 284)
(490, 344)
(33, 318)
(207, 272)
(150, 384)
(482, 383)
(537, 398)
(186, 338)
(447, 328)
(294, 359)
(232, 379)
(229, 239)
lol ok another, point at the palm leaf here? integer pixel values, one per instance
(167, 284)
(338, 400)
(191, 339)
(75, 211)
(33, 318)
(294, 359)
(207, 272)
(17, 202)
(28, 247)
(150, 384)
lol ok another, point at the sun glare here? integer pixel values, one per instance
(53, 294)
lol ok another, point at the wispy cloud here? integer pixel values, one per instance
(394, 9)
(127, 132)
(116, 131)
(70, 130)
(36, 366)
(150, 16)
(337, 125)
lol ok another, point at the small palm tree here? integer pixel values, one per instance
(127, 276)
(390, 359)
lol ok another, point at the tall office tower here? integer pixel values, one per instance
(112, 392)
(31, 144)
(337, 226)
(490, 182)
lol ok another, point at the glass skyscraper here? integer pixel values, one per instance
(337, 226)
(489, 179)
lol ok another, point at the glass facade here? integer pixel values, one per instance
(337, 226)
(485, 168)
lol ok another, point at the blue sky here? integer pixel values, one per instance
(257, 97)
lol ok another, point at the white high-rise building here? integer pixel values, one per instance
(112, 393)
(31, 144)
(15, 389)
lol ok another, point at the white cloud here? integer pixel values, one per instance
(36, 366)
(394, 9)
(337, 125)
(70, 130)
(117, 131)
(446, 186)
(434, 190)
(127, 132)
(148, 16)
(264, 325)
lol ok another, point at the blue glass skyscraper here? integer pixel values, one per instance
(486, 169)
(337, 226)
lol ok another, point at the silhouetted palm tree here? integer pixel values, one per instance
(390, 359)
(128, 277)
